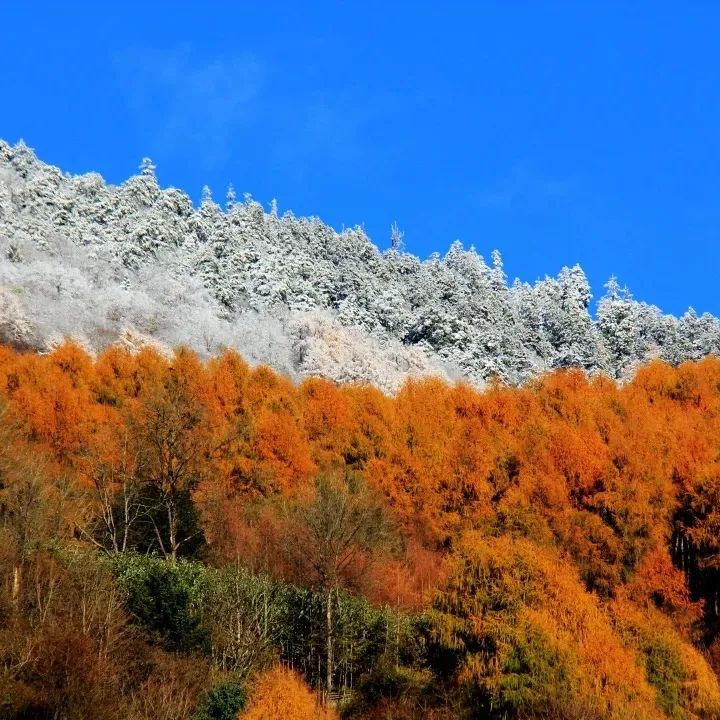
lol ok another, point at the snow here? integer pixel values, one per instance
(140, 264)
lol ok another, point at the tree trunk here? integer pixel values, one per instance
(329, 629)
(17, 579)
(172, 523)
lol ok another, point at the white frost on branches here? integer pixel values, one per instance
(14, 326)
(323, 347)
(139, 264)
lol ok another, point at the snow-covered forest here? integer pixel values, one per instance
(138, 264)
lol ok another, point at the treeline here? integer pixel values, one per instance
(207, 540)
(98, 262)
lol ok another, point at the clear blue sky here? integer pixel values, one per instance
(557, 132)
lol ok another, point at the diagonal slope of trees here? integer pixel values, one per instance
(97, 262)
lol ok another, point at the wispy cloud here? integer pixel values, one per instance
(523, 190)
(193, 101)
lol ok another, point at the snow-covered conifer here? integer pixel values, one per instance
(82, 258)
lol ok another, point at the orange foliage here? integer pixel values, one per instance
(510, 595)
(281, 694)
(594, 507)
(611, 474)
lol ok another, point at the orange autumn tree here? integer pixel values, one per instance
(613, 489)
(281, 694)
(530, 642)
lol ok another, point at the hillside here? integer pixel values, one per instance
(96, 262)
(205, 540)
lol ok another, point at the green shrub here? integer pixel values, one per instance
(163, 598)
(222, 702)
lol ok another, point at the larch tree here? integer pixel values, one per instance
(280, 694)
(172, 446)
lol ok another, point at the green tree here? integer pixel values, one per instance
(339, 531)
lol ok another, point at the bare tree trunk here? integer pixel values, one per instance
(329, 629)
(172, 526)
(17, 580)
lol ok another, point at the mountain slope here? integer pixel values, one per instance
(90, 260)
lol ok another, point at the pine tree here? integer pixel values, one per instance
(147, 168)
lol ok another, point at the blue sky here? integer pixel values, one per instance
(557, 132)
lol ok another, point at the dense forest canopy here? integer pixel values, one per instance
(97, 262)
(204, 539)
